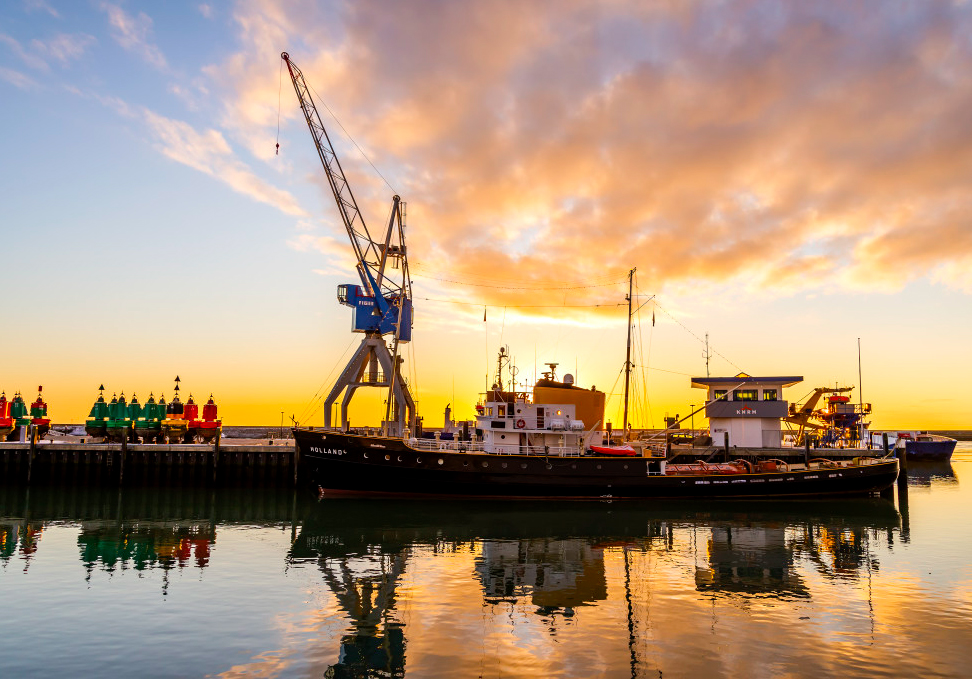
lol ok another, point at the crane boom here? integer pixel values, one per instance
(354, 223)
(381, 305)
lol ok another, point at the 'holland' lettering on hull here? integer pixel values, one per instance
(327, 451)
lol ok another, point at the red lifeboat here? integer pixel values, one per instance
(209, 426)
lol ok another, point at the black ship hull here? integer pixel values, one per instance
(351, 464)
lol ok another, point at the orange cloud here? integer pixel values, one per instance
(744, 143)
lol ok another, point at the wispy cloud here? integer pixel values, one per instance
(14, 46)
(209, 153)
(16, 78)
(64, 47)
(206, 10)
(134, 34)
(40, 6)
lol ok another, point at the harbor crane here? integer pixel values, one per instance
(382, 304)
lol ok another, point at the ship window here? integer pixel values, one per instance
(540, 424)
(720, 395)
(747, 395)
(499, 424)
(500, 411)
(489, 411)
(769, 394)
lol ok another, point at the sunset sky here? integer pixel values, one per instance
(786, 177)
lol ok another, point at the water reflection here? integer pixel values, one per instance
(135, 528)
(927, 474)
(552, 557)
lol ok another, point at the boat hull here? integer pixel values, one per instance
(342, 464)
(932, 451)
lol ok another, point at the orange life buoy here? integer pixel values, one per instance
(520, 424)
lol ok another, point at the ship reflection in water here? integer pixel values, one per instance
(547, 562)
(251, 582)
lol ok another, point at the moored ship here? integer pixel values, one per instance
(919, 445)
(521, 448)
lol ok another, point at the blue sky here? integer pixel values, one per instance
(785, 176)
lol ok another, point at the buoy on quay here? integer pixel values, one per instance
(174, 426)
(96, 425)
(6, 421)
(119, 422)
(209, 426)
(21, 418)
(148, 424)
(38, 415)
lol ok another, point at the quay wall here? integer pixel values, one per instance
(49, 462)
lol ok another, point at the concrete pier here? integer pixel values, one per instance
(222, 463)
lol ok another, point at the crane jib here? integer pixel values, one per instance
(380, 305)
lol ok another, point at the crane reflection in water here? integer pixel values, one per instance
(549, 560)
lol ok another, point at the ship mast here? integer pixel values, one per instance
(627, 358)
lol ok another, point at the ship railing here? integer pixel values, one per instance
(447, 446)
(478, 447)
(549, 451)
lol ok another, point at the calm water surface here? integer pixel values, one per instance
(247, 583)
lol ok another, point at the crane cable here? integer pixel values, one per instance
(279, 105)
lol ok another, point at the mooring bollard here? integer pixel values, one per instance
(216, 456)
(31, 430)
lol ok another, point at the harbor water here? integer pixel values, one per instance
(263, 582)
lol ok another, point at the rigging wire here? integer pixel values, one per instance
(662, 309)
(520, 306)
(305, 415)
(517, 287)
(351, 139)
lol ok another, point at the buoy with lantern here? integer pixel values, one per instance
(21, 418)
(119, 424)
(38, 415)
(148, 424)
(6, 421)
(97, 423)
(174, 426)
(209, 426)
(191, 415)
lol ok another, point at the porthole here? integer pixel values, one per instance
(549, 466)
(366, 456)
(387, 457)
(504, 465)
(440, 461)
(523, 465)
(573, 466)
(465, 463)
(625, 466)
(418, 460)
(598, 466)
(502, 436)
(399, 458)
(485, 464)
